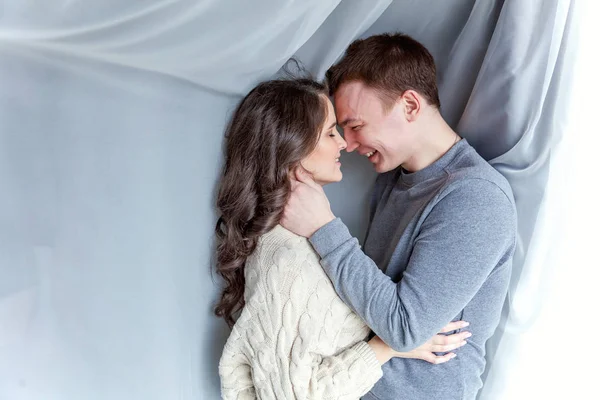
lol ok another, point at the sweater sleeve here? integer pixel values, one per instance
(466, 234)
(347, 375)
(283, 325)
(235, 372)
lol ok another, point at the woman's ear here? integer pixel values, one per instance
(292, 172)
(301, 174)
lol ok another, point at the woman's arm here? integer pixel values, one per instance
(235, 371)
(438, 344)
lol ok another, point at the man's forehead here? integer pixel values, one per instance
(344, 115)
(347, 101)
(349, 92)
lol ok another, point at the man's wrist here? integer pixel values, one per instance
(329, 237)
(325, 221)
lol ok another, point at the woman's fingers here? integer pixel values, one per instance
(447, 347)
(433, 359)
(443, 343)
(444, 358)
(450, 339)
(454, 326)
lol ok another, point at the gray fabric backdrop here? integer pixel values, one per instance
(111, 122)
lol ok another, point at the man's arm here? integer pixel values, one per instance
(464, 237)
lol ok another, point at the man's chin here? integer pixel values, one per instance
(381, 168)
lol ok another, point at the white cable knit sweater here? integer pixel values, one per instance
(295, 338)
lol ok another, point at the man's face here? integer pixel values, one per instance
(381, 135)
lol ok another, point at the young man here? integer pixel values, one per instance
(442, 228)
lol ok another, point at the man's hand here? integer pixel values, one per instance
(308, 208)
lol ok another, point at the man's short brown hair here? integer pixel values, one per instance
(390, 64)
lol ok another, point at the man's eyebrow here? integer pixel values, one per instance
(347, 121)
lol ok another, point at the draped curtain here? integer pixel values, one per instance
(111, 125)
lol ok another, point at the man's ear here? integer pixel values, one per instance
(412, 104)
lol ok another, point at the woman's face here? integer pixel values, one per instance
(324, 162)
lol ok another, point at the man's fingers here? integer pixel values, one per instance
(454, 326)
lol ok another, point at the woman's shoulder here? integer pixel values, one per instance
(284, 250)
(281, 233)
(280, 238)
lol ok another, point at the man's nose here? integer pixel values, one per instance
(351, 144)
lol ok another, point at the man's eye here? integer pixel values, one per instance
(355, 128)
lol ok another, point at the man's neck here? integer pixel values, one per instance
(434, 140)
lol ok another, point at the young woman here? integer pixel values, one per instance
(294, 338)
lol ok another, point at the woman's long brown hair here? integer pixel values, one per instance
(273, 128)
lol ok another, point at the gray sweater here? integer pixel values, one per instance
(438, 248)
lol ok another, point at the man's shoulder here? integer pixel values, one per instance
(472, 174)
(471, 198)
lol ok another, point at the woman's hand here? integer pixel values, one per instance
(437, 344)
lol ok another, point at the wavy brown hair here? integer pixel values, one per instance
(273, 128)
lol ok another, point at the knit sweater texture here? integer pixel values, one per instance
(295, 338)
